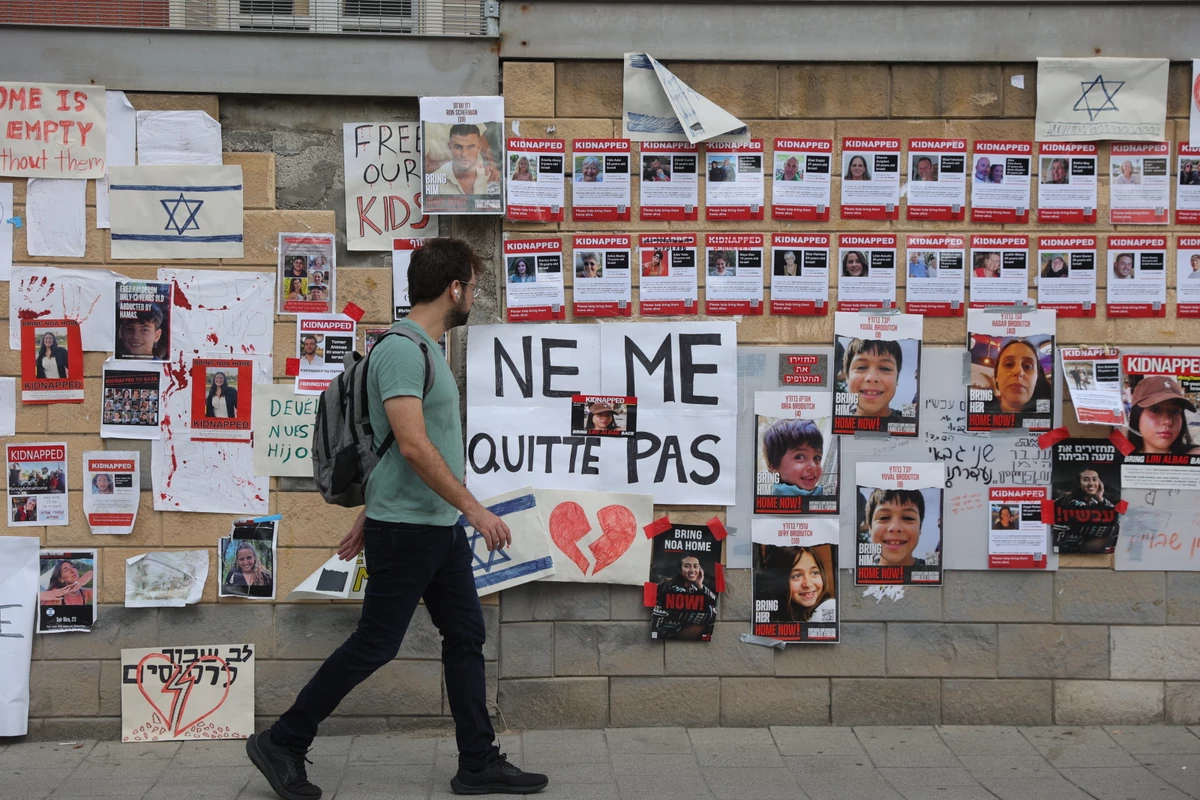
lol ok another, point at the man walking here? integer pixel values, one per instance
(414, 547)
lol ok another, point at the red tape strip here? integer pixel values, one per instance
(292, 367)
(719, 577)
(659, 525)
(1051, 438)
(649, 594)
(718, 528)
(353, 312)
(1121, 442)
(1122, 506)
(1047, 512)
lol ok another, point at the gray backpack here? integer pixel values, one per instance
(344, 451)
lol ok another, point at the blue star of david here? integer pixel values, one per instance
(1104, 86)
(494, 557)
(192, 207)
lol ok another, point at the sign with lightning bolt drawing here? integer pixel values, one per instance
(176, 212)
(1093, 99)
(191, 692)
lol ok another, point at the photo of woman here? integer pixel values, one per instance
(1085, 497)
(854, 264)
(1157, 423)
(1019, 379)
(295, 289)
(856, 169)
(1055, 267)
(24, 509)
(51, 358)
(654, 264)
(221, 402)
(68, 586)
(521, 271)
(673, 620)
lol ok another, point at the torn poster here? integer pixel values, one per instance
(206, 477)
(306, 273)
(8, 406)
(1093, 379)
(143, 319)
(37, 484)
(51, 361)
(528, 558)
(283, 423)
(1016, 533)
(222, 396)
(178, 138)
(18, 588)
(185, 212)
(131, 399)
(877, 367)
(231, 312)
(463, 140)
(658, 107)
(52, 130)
(168, 579)
(56, 218)
(382, 163)
(66, 591)
(597, 537)
(247, 560)
(1090, 99)
(171, 694)
(796, 454)
(899, 523)
(322, 343)
(683, 374)
(7, 220)
(1086, 485)
(685, 576)
(87, 296)
(334, 580)
(111, 490)
(796, 579)
(120, 147)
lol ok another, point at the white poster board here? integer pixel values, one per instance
(172, 694)
(18, 603)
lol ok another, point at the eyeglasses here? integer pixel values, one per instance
(475, 290)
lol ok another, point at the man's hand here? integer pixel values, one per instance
(493, 529)
(352, 543)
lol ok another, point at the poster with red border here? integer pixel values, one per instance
(1017, 537)
(734, 189)
(1187, 184)
(801, 179)
(1139, 183)
(1067, 276)
(603, 285)
(734, 283)
(668, 283)
(937, 179)
(1137, 276)
(936, 286)
(536, 188)
(51, 372)
(601, 185)
(1187, 277)
(222, 395)
(800, 274)
(533, 280)
(1067, 183)
(999, 270)
(1001, 174)
(870, 178)
(670, 185)
(867, 271)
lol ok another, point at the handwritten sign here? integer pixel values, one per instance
(383, 184)
(49, 130)
(283, 426)
(180, 693)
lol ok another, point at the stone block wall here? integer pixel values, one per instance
(1085, 645)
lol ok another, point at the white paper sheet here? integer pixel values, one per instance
(18, 601)
(177, 137)
(111, 490)
(176, 212)
(168, 579)
(206, 477)
(187, 693)
(1089, 99)
(333, 580)
(121, 144)
(88, 296)
(56, 217)
(221, 311)
(8, 406)
(6, 230)
(597, 537)
(283, 429)
(658, 107)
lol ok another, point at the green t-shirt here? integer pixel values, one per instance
(394, 492)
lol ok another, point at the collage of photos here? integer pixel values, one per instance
(306, 273)
(37, 484)
(130, 400)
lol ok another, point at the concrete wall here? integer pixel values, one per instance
(1086, 645)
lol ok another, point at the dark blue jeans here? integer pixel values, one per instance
(406, 563)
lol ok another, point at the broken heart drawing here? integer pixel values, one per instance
(597, 536)
(176, 693)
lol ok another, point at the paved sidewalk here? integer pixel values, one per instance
(873, 763)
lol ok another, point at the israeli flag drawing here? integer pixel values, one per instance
(166, 212)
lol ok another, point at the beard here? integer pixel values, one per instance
(457, 315)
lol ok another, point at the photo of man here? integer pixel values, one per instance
(656, 169)
(982, 167)
(788, 169)
(310, 353)
(1123, 266)
(471, 166)
(1189, 173)
(923, 169)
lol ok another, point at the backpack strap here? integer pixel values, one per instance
(415, 338)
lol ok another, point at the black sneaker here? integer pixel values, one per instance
(282, 766)
(498, 777)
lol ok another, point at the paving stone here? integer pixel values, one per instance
(985, 740)
(1052, 787)
(997, 702)
(33, 784)
(653, 763)
(1154, 739)
(391, 748)
(45, 755)
(1053, 651)
(1183, 703)
(599, 773)
(840, 778)
(735, 747)
(892, 701)
(816, 741)
(1078, 747)
(120, 753)
(566, 746)
(606, 648)
(649, 740)
(1181, 771)
(1119, 783)
(200, 753)
(761, 783)
(900, 747)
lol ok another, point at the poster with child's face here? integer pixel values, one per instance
(684, 568)
(795, 579)
(878, 361)
(143, 321)
(899, 517)
(796, 453)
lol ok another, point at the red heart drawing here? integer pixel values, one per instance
(569, 524)
(179, 686)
